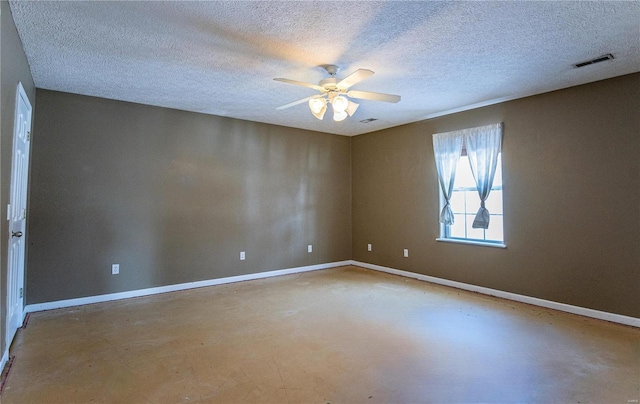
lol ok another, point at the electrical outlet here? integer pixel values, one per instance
(242, 256)
(310, 248)
(369, 248)
(406, 253)
(115, 269)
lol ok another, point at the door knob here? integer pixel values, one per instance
(16, 234)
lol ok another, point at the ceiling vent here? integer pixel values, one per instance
(602, 58)
(368, 120)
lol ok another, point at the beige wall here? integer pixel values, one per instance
(174, 196)
(14, 68)
(571, 173)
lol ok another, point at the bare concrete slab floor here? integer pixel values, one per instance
(345, 335)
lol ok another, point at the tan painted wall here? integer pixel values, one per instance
(14, 68)
(174, 196)
(571, 164)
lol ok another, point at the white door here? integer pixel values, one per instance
(17, 213)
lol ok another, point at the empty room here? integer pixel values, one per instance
(320, 202)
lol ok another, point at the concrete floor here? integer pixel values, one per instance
(344, 335)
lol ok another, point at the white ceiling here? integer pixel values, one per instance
(221, 57)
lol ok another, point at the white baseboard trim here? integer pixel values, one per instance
(173, 288)
(601, 315)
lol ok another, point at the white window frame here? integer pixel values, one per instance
(445, 229)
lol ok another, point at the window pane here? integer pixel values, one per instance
(457, 228)
(473, 202)
(477, 234)
(457, 202)
(495, 231)
(464, 176)
(494, 202)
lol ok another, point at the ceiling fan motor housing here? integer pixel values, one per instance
(329, 84)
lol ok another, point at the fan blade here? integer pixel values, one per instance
(301, 83)
(291, 104)
(354, 78)
(368, 95)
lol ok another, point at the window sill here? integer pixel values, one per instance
(478, 243)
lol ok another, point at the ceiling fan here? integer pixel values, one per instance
(335, 91)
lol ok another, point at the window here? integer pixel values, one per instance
(469, 164)
(465, 203)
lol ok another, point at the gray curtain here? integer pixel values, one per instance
(483, 146)
(447, 148)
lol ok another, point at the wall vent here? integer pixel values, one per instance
(602, 58)
(368, 120)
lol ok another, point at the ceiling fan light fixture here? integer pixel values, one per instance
(339, 115)
(340, 104)
(335, 91)
(351, 108)
(316, 104)
(320, 114)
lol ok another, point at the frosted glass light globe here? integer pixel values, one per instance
(339, 115)
(316, 104)
(340, 104)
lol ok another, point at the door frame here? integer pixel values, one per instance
(20, 94)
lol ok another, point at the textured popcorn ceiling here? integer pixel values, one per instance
(221, 57)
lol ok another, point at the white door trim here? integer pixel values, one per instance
(17, 213)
